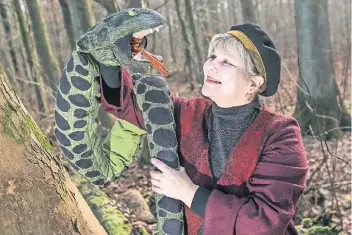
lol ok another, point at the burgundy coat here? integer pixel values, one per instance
(262, 181)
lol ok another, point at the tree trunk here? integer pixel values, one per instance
(56, 32)
(67, 21)
(170, 18)
(110, 5)
(87, 17)
(9, 36)
(223, 7)
(232, 12)
(4, 55)
(111, 218)
(26, 70)
(189, 13)
(248, 11)
(214, 21)
(82, 17)
(188, 58)
(45, 51)
(134, 4)
(37, 195)
(205, 29)
(6, 61)
(32, 59)
(317, 70)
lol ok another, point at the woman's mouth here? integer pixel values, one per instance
(212, 80)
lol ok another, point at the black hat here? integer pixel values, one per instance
(263, 52)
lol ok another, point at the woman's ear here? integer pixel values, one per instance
(257, 82)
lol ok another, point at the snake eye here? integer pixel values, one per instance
(132, 12)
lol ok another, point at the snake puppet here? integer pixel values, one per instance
(103, 51)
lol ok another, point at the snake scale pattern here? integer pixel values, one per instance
(78, 103)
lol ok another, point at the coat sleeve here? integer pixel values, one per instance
(275, 187)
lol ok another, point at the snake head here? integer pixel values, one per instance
(109, 41)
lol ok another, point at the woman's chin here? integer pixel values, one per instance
(210, 94)
(208, 90)
(205, 91)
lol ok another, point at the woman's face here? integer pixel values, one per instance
(223, 80)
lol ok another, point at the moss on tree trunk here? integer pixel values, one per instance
(36, 193)
(110, 218)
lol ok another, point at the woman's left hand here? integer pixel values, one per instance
(172, 183)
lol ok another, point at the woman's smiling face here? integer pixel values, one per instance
(224, 79)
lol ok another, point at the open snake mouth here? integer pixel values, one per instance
(139, 43)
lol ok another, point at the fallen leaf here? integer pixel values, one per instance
(12, 187)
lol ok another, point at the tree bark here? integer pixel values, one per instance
(82, 17)
(188, 58)
(248, 11)
(205, 29)
(9, 36)
(5, 56)
(45, 51)
(214, 21)
(135, 3)
(232, 12)
(56, 32)
(67, 21)
(32, 59)
(111, 218)
(189, 13)
(170, 18)
(37, 195)
(110, 5)
(317, 71)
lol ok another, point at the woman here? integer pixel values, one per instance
(243, 167)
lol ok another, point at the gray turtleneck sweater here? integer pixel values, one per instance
(226, 127)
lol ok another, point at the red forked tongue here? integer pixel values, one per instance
(157, 64)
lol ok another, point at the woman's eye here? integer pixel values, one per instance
(212, 57)
(227, 62)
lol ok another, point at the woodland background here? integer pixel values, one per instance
(312, 36)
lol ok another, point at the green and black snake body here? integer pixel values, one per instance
(77, 105)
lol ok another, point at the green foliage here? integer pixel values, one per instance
(320, 225)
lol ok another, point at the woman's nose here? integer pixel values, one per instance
(213, 65)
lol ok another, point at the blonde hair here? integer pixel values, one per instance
(233, 47)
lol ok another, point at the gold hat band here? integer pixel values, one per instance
(252, 49)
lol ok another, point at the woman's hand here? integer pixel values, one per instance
(172, 183)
